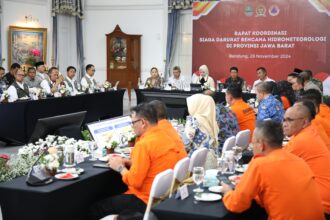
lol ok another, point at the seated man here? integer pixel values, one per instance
(269, 107)
(273, 180)
(297, 85)
(306, 143)
(262, 75)
(308, 83)
(226, 121)
(69, 80)
(245, 114)
(315, 81)
(322, 110)
(177, 80)
(18, 89)
(2, 81)
(55, 80)
(291, 76)
(34, 81)
(9, 77)
(88, 80)
(166, 126)
(153, 153)
(41, 71)
(234, 79)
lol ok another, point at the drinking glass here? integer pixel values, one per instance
(238, 153)
(222, 165)
(198, 176)
(69, 156)
(92, 147)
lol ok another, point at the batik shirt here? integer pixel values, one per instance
(270, 108)
(227, 122)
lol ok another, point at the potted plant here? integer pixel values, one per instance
(111, 147)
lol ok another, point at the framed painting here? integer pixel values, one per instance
(26, 46)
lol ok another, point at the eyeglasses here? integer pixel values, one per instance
(289, 120)
(133, 122)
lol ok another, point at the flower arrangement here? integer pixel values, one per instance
(4, 97)
(33, 57)
(63, 90)
(107, 85)
(20, 164)
(111, 147)
(50, 161)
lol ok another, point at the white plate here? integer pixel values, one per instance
(211, 172)
(106, 158)
(74, 170)
(208, 197)
(215, 189)
(61, 176)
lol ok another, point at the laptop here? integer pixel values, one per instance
(195, 87)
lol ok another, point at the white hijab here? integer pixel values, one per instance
(202, 107)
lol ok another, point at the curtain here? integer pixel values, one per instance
(0, 33)
(171, 40)
(72, 8)
(173, 19)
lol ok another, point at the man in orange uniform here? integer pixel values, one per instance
(166, 126)
(152, 154)
(323, 111)
(280, 182)
(306, 143)
(245, 114)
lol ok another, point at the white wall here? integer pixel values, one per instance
(145, 17)
(13, 14)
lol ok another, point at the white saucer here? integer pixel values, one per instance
(215, 189)
(208, 197)
(74, 170)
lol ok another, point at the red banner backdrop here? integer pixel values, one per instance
(276, 34)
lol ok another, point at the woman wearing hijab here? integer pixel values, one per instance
(204, 79)
(201, 127)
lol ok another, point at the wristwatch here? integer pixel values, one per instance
(120, 168)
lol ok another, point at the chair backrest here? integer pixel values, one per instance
(181, 169)
(160, 186)
(229, 143)
(198, 158)
(243, 138)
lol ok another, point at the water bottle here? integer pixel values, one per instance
(69, 156)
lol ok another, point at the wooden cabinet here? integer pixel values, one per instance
(123, 59)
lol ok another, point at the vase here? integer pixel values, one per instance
(110, 150)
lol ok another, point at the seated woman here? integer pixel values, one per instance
(204, 79)
(286, 93)
(201, 127)
(154, 80)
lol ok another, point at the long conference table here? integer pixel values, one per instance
(18, 119)
(175, 100)
(62, 199)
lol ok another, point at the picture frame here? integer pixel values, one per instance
(26, 46)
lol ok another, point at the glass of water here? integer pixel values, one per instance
(198, 176)
(92, 148)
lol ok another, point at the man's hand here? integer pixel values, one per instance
(115, 162)
(225, 188)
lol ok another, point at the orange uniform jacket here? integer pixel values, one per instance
(322, 133)
(153, 153)
(308, 145)
(167, 127)
(245, 115)
(280, 182)
(323, 118)
(285, 102)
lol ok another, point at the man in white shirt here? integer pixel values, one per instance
(262, 75)
(70, 82)
(34, 81)
(88, 80)
(56, 79)
(18, 89)
(41, 71)
(178, 81)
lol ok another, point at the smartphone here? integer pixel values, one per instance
(224, 179)
(101, 165)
